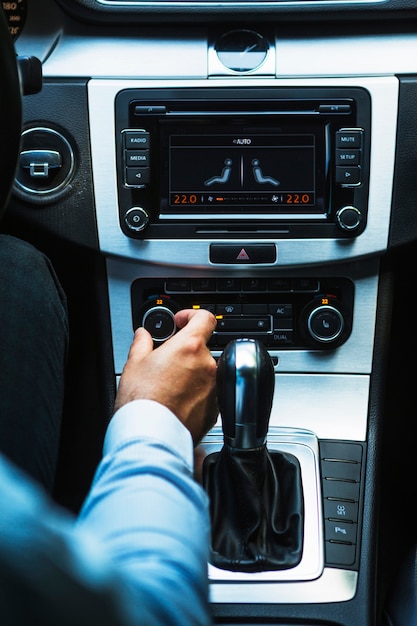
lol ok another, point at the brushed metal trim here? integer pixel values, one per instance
(291, 252)
(334, 585)
(228, 5)
(353, 357)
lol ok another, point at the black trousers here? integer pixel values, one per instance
(33, 346)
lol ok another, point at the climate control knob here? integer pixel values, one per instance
(325, 322)
(157, 315)
(160, 323)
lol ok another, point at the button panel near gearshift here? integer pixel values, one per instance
(341, 474)
(282, 312)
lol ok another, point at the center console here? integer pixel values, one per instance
(256, 199)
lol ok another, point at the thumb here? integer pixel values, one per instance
(141, 346)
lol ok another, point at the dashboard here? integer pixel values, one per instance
(256, 159)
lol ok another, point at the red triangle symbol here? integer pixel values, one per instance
(243, 255)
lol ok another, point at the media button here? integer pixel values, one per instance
(138, 158)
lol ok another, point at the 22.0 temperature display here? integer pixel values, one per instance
(297, 198)
(185, 198)
(293, 199)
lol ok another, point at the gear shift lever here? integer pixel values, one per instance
(245, 406)
(256, 500)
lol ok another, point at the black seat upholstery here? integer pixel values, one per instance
(401, 608)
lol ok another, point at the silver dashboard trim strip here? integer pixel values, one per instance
(228, 5)
(353, 357)
(334, 585)
(292, 252)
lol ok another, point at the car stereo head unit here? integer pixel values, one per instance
(265, 162)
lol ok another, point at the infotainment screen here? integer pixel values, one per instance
(287, 162)
(236, 170)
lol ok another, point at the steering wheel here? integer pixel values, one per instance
(10, 112)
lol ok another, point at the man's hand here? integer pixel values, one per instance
(180, 374)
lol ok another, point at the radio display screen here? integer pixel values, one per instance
(221, 158)
(242, 173)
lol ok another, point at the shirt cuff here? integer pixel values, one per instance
(147, 419)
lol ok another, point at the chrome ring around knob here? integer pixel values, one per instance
(136, 219)
(332, 323)
(160, 323)
(349, 218)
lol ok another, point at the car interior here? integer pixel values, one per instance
(256, 158)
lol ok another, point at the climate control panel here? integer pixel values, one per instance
(283, 313)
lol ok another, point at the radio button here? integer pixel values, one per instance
(136, 139)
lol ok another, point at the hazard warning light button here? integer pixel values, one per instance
(241, 254)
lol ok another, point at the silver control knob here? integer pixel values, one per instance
(136, 219)
(325, 323)
(349, 218)
(159, 322)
